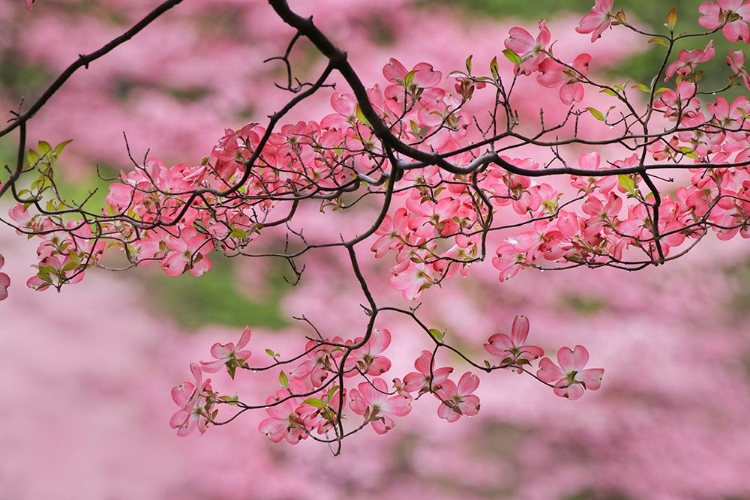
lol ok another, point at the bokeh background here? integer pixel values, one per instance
(86, 373)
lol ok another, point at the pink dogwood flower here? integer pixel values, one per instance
(736, 61)
(367, 359)
(532, 51)
(512, 349)
(195, 400)
(688, 60)
(229, 356)
(597, 20)
(555, 74)
(570, 379)
(372, 401)
(189, 251)
(731, 15)
(458, 400)
(427, 378)
(285, 419)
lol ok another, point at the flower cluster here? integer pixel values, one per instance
(310, 401)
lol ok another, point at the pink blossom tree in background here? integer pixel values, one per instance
(419, 172)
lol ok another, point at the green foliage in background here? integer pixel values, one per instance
(216, 298)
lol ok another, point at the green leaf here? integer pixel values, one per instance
(596, 114)
(672, 19)
(641, 87)
(59, 148)
(437, 334)
(32, 157)
(332, 391)
(689, 152)
(627, 183)
(271, 353)
(283, 380)
(317, 403)
(512, 57)
(361, 117)
(44, 147)
(231, 400)
(468, 64)
(409, 78)
(608, 92)
(658, 40)
(493, 66)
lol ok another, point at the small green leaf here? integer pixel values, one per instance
(689, 152)
(271, 353)
(596, 114)
(493, 66)
(658, 40)
(627, 183)
(672, 19)
(409, 78)
(283, 380)
(512, 57)
(361, 116)
(32, 157)
(317, 403)
(44, 147)
(437, 334)
(59, 148)
(608, 92)
(332, 391)
(231, 400)
(641, 87)
(468, 64)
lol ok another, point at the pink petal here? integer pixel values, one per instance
(379, 365)
(383, 424)
(520, 330)
(181, 393)
(549, 372)
(468, 383)
(245, 338)
(398, 406)
(379, 341)
(423, 362)
(499, 345)
(592, 378)
(573, 360)
(552, 73)
(520, 41)
(394, 69)
(222, 351)
(273, 429)
(470, 405)
(447, 413)
(709, 15)
(573, 392)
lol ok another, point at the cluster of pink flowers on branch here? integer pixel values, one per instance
(442, 188)
(313, 405)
